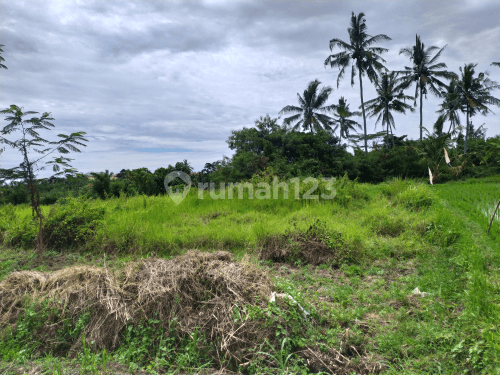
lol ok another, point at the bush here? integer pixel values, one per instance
(71, 224)
(394, 187)
(16, 194)
(49, 198)
(415, 197)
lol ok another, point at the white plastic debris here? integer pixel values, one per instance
(417, 291)
(283, 295)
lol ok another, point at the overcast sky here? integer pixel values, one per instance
(177, 76)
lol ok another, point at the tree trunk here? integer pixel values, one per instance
(35, 206)
(420, 110)
(387, 119)
(466, 130)
(363, 108)
(392, 136)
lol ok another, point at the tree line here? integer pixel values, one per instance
(283, 150)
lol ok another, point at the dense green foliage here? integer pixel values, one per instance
(272, 149)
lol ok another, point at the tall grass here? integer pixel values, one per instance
(475, 200)
(437, 230)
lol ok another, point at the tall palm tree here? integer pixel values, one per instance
(424, 72)
(364, 59)
(1, 58)
(2, 66)
(474, 94)
(341, 118)
(450, 106)
(495, 64)
(390, 94)
(308, 105)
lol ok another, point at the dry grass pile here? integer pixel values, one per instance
(315, 246)
(200, 289)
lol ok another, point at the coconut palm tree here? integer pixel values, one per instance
(2, 66)
(341, 118)
(390, 94)
(364, 59)
(1, 58)
(450, 106)
(308, 105)
(474, 94)
(424, 72)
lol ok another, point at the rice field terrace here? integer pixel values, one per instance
(395, 278)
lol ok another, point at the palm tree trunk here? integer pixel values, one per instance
(363, 108)
(420, 111)
(387, 111)
(466, 130)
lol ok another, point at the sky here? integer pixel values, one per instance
(155, 82)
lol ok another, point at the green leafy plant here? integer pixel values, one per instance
(279, 357)
(26, 170)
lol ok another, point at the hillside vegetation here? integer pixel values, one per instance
(194, 281)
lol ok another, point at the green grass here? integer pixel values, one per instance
(404, 234)
(476, 199)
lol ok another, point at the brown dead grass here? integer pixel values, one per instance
(199, 289)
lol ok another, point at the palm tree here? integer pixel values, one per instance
(1, 58)
(423, 72)
(102, 183)
(366, 59)
(2, 66)
(495, 64)
(450, 106)
(308, 105)
(474, 94)
(341, 118)
(390, 94)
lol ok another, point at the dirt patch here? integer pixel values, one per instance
(52, 263)
(212, 216)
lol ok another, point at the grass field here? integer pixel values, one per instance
(381, 243)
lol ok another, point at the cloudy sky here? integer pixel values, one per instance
(156, 82)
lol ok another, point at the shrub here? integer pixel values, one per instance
(415, 197)
(394, 187)
(72, 223)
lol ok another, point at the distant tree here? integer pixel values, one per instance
(390, 94)
(424, 72)
(438, 126)
(341, 118)
(365, 59)
(476, 134)
(26, 170)
(102, 183)
(474, 94)
(450, 106)
(311, 120)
